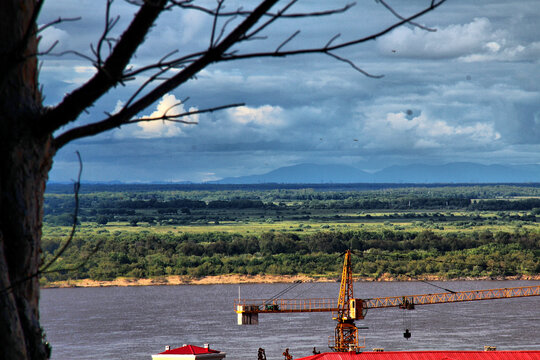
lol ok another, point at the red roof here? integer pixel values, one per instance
(429, 355)
(189, 350)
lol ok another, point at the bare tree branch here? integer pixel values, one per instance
(170, 64)
(45, 26)
(163, 68)
(273, 18)
(176, 118)
(17, 55)
(57, 21)
(109, 25)
(287, 40)
(214, 24)
(330, 47)
(107, 75)
(395, 13)
(144, 85)
(240, 12)
(49, 50)
(212, 55)
(76, 188)
(112, 72)
(117, 120)
(73, 52)
(354, 66)
(331, 40)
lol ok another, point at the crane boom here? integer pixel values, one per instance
(261, 306)
(406, 302)
(347, 309)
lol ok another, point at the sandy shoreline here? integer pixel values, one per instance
(186, 280)
(244, 279)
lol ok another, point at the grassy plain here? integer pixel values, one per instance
(257, 228)
(369, 221)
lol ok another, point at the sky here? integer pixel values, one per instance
(467, 92)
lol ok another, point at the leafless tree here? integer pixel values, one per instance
(27, 143)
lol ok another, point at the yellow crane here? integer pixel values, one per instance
(347, 308)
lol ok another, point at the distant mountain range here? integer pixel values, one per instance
(459, 172)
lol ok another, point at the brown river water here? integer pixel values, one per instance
(136, 322)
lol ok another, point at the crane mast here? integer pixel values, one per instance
(347, 309)
(346, 333)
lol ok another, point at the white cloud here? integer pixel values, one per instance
(396, 131)
(81, 74)
(119, 106)
(448, 42)
(514, 52)
(493, 47)
(264, 115)
(168, 105)
(476, 41)
(84, 69)
(51, 35)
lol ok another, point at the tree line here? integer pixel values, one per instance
(55, 205)
(145, 254)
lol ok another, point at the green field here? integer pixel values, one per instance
(446, 231)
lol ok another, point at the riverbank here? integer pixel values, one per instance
(249, 279)
(187, 280)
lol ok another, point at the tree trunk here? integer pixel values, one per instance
(25, 160)
(22, 185)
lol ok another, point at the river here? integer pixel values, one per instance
(135, 322)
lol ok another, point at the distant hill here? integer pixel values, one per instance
(304, 173)
(451, 173)
(459, 172)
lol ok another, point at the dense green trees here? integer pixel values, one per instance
(408, 254)
(498, 205)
